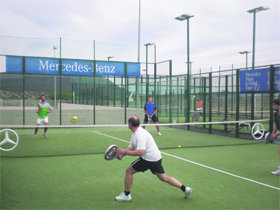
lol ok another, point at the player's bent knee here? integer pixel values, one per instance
(163, 177)
(130, 171)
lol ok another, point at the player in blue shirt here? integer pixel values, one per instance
(150, 111)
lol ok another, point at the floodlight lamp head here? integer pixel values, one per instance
(244, 52)
(179, 18)
(186, 16)
(149, 44)
(258, 9)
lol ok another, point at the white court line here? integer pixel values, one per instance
(195, 163)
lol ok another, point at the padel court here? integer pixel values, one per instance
(68, 171)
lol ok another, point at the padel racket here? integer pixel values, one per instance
(111, 152)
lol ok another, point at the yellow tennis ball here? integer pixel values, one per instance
(75, 118)
(179, 146)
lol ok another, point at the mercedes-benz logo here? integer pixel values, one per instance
(8, 140)
(258, 131)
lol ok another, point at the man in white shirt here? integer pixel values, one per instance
(143, 144)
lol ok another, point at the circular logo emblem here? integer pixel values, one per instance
(8, 139)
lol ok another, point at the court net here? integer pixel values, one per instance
(94, 139)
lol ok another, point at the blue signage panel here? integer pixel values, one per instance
(133, 70)
(41, 66)
(104, 68)
(70, 67)
(13, 64)
(77, 67)
(254, 80)
(277, 79)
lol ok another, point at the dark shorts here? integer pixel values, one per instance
(154, 119)
(142, 165)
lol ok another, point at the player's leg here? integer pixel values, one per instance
(37, 128)
(158, 170)
(145, 121)
(155, 120)
(277, 172)
(46, 122)
(128, 180)
(174, 182)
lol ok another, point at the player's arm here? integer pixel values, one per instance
(37, 109)
(155, 111)
(131, 152)
(49, 108)
(145, 111)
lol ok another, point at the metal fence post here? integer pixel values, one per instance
(23, 91)
(170, 91)
(226, 101)
(210, 101)
(237, 103)
(94, 92)
(271, 95)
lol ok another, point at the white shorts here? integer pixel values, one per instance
(42, 120)
(199, 109)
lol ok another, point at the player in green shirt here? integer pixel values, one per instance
(43, 109)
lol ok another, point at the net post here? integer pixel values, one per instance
(271, 95)
(210, 102)
(23, 90)
(237, 103)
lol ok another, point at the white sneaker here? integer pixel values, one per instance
(123, 197)
(159, 134)
(187, 192)
(277, 172)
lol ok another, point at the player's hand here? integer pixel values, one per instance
(274, 135)
(121, 151)
(119, 157)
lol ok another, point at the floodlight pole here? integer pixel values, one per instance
(109, 57)
(254, 40)
(147, 80)
(254, 11)
(182, 18)
(246, 53)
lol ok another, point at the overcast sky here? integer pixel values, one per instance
(218, 30)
